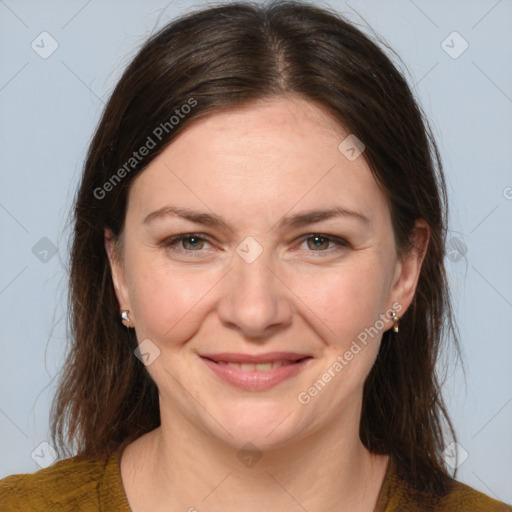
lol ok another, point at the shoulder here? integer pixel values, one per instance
(463, 497)
(68, 485)
(397, 496)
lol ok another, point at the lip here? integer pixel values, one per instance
(232, 357)
(256, 380)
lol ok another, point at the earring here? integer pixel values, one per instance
(396, 319)
(124, 316)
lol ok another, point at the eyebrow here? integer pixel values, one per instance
(294, 221)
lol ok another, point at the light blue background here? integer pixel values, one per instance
(49, 108)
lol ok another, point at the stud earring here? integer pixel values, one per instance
(124, 316)
(396, 319)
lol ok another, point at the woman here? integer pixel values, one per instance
(257, 284)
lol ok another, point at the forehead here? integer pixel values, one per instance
(266, 158)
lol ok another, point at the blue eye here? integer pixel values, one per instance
(194, 243)
(195, 240)
(320, 240)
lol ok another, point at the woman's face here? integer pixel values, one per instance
(257, 276)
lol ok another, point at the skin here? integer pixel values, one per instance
(252, 166)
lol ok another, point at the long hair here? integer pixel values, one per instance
(227, 56)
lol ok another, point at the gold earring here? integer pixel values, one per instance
(396, 319)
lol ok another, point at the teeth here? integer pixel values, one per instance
(262, 367)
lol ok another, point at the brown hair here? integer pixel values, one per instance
(228, 56)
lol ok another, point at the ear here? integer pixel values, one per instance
(118, 274)
(408, 268)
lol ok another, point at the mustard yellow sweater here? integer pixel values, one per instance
(78, 484)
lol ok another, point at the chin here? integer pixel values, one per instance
(266, 426)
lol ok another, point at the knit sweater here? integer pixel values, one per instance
(80, 484)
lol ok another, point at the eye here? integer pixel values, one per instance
(194, 242)
(316, 242)
(320, 242)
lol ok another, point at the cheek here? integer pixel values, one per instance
(168, 304)
(342, 302)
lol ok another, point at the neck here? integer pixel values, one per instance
(183, 466)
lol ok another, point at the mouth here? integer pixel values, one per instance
(261, 367)
(256, 372)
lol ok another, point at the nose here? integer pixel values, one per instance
(255, 300)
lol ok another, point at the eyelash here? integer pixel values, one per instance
(171, 243)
